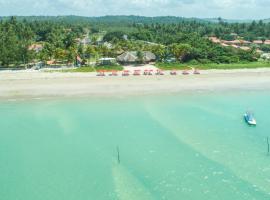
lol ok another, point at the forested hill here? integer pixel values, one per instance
(127, 19)
(107, 19)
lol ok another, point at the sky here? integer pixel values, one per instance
(229, 9)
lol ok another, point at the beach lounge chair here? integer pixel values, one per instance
(196, 71)
(173, 72)
(125, 73)
(137, 72)
(185, 72)
(159, 72)
(145, 72)
(114, 73)
(150, 72)
(101, 73)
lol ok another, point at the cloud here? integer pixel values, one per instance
(187, 8)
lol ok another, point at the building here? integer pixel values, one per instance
(267, 42)
(85, 41)
(132, 57)
(35, 47)
(106, 61)
(245, 48)
(108, 45)
(258, 42)
(265, 56)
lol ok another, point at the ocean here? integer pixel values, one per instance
(186, 146)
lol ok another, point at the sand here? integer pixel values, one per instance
(37, 84)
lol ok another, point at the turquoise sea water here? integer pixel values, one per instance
(189, 146)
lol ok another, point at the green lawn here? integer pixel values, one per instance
(114, 67)
(171, 66)
(80, 69)
(181, 66)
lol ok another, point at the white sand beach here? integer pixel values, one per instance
(36, 84)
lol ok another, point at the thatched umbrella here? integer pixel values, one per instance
(132, 56)
(128, 56)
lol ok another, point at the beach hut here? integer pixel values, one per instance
(106, 61)
(132, 57)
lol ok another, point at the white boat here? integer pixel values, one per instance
(250, 118)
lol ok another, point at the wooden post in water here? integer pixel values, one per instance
(118, 155)
(268, 146)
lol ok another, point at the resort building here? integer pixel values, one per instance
(84, 42)
(245, 48)
(265, 56)
(258, 42)
(35, 47)
(267, 42)
(106, 61)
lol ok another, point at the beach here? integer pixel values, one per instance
(177, 136)
(38, 84)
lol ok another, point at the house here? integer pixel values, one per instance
(35, 47)
(245, 48)
(265, 56)
(267, 42)
(85, 41)
(106, 61)
(108, 45)
(232, 42)
(258, 42)
(214, 39)
(132, 57)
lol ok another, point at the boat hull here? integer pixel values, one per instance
(250, 121)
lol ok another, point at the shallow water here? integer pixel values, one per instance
(189, 146)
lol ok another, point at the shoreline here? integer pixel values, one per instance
(37, 85)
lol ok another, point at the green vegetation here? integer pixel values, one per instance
(79, 69)
(109, 68)
(182, 66)
(71, 40)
